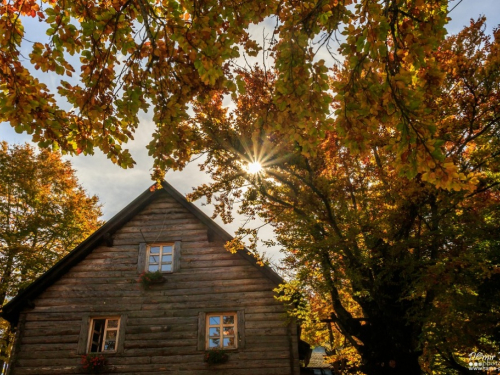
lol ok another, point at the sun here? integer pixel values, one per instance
(254, 167)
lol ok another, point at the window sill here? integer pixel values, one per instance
(103, 353)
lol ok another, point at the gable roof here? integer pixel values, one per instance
(25, 297)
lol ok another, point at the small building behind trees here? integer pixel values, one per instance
(91, 302)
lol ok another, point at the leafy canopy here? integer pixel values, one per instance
(169, 54)
(44, 213)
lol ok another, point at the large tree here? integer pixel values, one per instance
(405, 270)
(381, 173)
(44, 213)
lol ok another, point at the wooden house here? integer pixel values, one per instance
(91, 301)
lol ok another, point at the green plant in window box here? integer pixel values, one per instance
(93, 363)
(146, 279)
(216, 356)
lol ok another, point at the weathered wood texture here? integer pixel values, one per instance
(161, 333)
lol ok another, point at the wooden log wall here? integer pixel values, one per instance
(161, 324)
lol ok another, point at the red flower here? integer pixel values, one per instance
(93, 362)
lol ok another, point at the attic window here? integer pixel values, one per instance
(160, 258)
(163, 257)
(103, 335)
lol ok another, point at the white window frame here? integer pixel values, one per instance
(160, 256)
(105, 332)
(221, 330)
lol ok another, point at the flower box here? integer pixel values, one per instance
(146, 279)
(93, 363)
(216, 356)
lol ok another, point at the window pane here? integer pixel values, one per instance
(99, 325)
(166, 259)
(228, 331)
(228, 342)
(213, 343)
(214, 320)
(214, 332)
(166, 267)
(110, 342)
(95, 347)
(228, 319)
(109, 346)
(97, 333)
(327, 372)
(154, 250)
(167, 249)
(113, 323)
(111, 335)
(153, 259)
(153, 267)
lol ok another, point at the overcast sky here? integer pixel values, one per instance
(117, 187)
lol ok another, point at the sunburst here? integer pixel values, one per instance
(254, 167)
(259, 157)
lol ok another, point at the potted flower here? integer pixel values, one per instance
(216, 356)
(146, 279)
(93, 363)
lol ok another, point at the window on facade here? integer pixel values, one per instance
(221, 331)
(160, 258)
(103, 335)
(322, 371)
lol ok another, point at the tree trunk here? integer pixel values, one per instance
(6, 335)
(387, 361)
(390, 345)
(6, 277)
(389, 340)
(5, 348)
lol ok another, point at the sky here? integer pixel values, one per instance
(117, 187)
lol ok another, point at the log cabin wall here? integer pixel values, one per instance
(159, 326)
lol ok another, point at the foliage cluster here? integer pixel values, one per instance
(216, 356)
(169, 54)
(146, 279)
(44, 213)
(93, 363)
